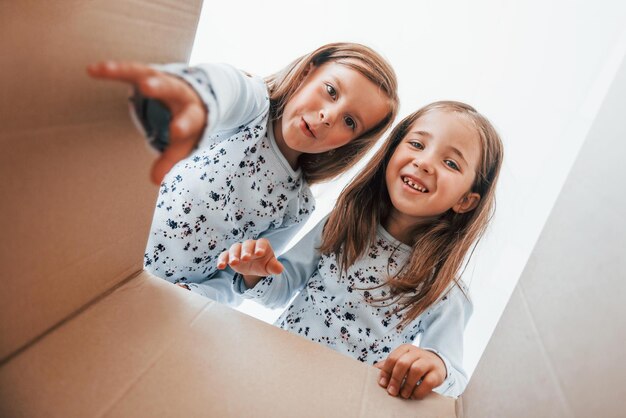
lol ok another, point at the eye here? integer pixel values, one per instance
(350, 123)
(331, 91)
(452, 165)
(416, 144)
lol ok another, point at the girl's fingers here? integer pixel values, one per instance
(387, 366)
(234, 254)
(130, 72)
(274, 266)
(169, 157)
(429, 382)
(399, 372)
(263, 247)
(417, 370)
(186, 129)
(222, 260)
(247, 249)
(174, 92)
(189, 116)
(188, 123)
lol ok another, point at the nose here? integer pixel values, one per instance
(327, 116)
(423, 162)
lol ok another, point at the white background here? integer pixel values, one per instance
(537, 69)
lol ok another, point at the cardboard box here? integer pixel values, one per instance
(558, 348)
(84, 331)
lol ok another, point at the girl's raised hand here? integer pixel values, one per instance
(252, 258)
(407, 366)
(189, 116)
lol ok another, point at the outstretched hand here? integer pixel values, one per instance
(189, 116)
(411, 372)
(253, 259)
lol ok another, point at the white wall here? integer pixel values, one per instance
(537, 69)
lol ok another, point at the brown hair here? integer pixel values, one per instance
(440, 247)
(282, 86)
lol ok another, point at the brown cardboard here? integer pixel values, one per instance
(558, 348)
(76, 206)
(152, 349)
(84, 331)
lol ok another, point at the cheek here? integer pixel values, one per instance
(340, 136)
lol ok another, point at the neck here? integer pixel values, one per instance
(290, 154)
(401, 226)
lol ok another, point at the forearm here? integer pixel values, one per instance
(443, 336)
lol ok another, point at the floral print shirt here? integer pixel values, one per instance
(237, 185)
(330, 306)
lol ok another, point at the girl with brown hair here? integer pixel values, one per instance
(378, 279)
(241, 151)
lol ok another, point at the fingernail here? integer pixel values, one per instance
(152, 82)
(383, 381)
(392, 390)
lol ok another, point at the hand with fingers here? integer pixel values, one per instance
(253, 259)
(411, 372)
(188, 113)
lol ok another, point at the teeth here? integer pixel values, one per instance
(417, 187)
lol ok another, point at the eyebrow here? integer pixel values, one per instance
(455, 150)
(355, 115)
(459, 153)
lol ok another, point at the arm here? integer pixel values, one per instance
(219, 288)
(232, 97)
(215, 97)
(413, 371)
(275, 290)
(443, 335)
(282, 236)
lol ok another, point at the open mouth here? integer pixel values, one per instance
(306, 128)
(414, 185)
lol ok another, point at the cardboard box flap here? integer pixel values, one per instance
(76, 201)
(557, 350)
(152, 349)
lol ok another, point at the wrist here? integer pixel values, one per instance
(251, 280)
(441, 361)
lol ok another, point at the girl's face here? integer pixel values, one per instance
(433, 168)
(333, 105)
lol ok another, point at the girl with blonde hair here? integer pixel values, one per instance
(240, 151)
(378, 279)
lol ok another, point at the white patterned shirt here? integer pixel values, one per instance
(237, 185)
(330, 307)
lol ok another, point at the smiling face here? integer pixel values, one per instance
(433, 168)
(334, 105)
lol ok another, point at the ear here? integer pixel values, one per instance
(467, 203)
(309, 70)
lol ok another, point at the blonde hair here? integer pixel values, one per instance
(440, 247)
(283, 85)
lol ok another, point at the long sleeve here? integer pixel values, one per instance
(300, 262)
(280, 237)
(443, 335)
(232, 99)
(218, 287)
